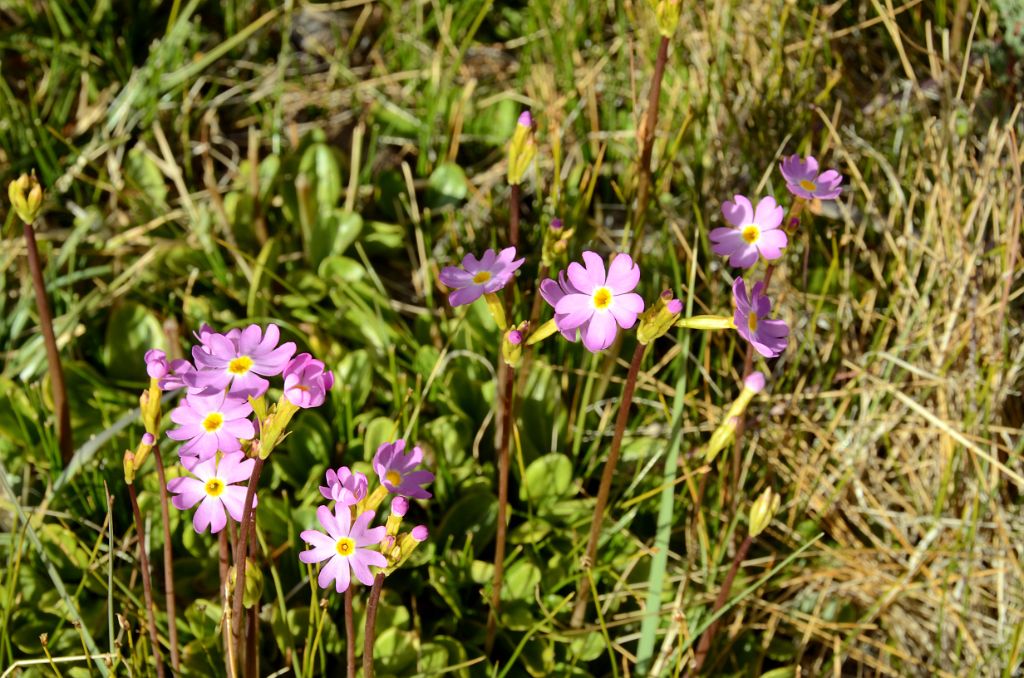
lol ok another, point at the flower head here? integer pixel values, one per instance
(754, 232)
(156, 363)
(345, 486)
(211, 423)
(179, 374)
(344, 547)
(594, 303)
(240, 359)
(481, 276)
(803, 180)
(397, 471)
(306, 382)
(768, 337)
(215, 486)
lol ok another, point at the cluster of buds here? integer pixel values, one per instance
(666, 13)
(556, 242)
(512, 343)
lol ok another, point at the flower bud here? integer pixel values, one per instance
(666, 13)
(556, 241)
(420, 533)
(399, 506)
(512, 344)
(497, 309)
(407, 543)
(142, 451)
(752, 385)
(129, 467)
(26, 197)
(542, 332)
(762, 511)
(521, 149)
(658, 318)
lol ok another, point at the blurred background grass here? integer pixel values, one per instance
(315, 164)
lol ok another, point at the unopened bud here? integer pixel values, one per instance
(707, 322)
(542, 332)
(420, 533)
(26, 197)
(512, 344)
(497, 309)
(143, 449)
(762, 511)
(521, 149)
(399, 506)
(752, 385)
(129, 467)
(556, 224)
(666, 13)
(658, 318)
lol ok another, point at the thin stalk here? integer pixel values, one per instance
(240, 557)
(350, 636)
(224, 571)
(370, 633)
(643, 190)
(723, 595)
(165, 518)
(509, 378)
(60, 393)
(606, 482)
(251, 659)
(147, 584)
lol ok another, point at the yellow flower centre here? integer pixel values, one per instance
(808, 185)
(345, 547)
(482, 277)
(602, 298)
(240, 365)
(214, 487)
(393, 477)
(752, 321)
(213, 422)
(751, 234)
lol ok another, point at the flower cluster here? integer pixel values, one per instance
(347, 542)
(225, 386)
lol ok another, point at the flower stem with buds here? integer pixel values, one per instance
(606, 481)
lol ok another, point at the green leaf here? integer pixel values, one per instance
(474, 516)
(447, 185)
(131, 331)
(547, 479)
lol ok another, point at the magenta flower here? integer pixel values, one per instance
(211, 423)
(478, 277)
(768, 337)
(306, 382)
(397, 471)
(594, 303)
(240, 359)
(803, 180)
(215, 489)
(344, 547)
(344, 486)
(178, 375)
(156, 363)
(754, 232)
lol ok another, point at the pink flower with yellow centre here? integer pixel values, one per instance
(397, 470)
(768, 337)
(211, 423)
(481, 276)
(754, 232)
(240, 359)
(591, 302)
(345, 547)
(214, 488)
(804, 181)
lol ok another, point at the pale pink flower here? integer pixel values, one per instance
(754, 232)
(214, 488)
(803, 180)
(344, 547)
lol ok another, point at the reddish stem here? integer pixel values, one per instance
(723, 594)
(147, 584)
(370, 632)
(509, 378)
(165, 518)
(240, 557)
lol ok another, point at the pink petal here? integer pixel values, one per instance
(727, 241)
(234, 468)
(466, 295)
(626, 308)
(744, 258)
(739, 211)
(772, 243)
(233, 499)
(623, 274)
(315, 555)
(188, 492)
(576, 309)
(454, 277)
(210, 514)
(600, 333)
(317, 539)
(768, 214)
(361, 561)
(250, 339)
(326, 519)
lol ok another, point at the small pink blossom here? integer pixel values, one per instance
(211, 423)
(306, 382)
(754, 232)
(344, 547)
(240, 359)
(803, 180)
(593, 303)
(345, 486)
(397, 471)
(179, 374)
(768, 337)
(156, 363)
(216, 490)
(478, 277)
(754, 381)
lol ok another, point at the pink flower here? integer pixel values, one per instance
(397, 473)
(768, 337)
(754, 232)
(156, 363)
(306, 382)
(178, 376)
(344, 547)
(344, 486)
(211, 423)
(478, 277)
(239, 358)
(803, 180)
(215, 488)
(595, 303)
